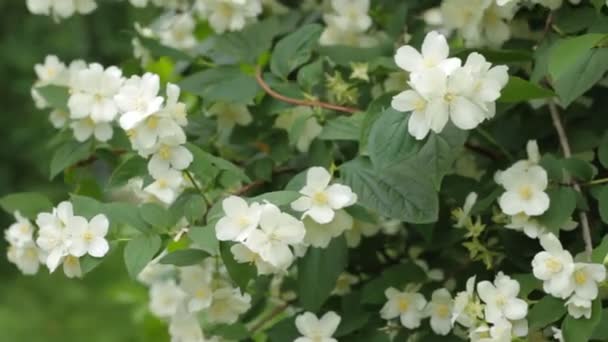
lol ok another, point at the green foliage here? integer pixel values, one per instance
(294, 50)
(184, 257)
(139, 251)
(28, 204)
(581, 330)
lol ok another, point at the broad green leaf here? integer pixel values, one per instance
(318, 271)
(374, 111)
(89, 263)
(131, 167)
(222, 164)
(283, 331)
(548, 310)
(86, 206)
(68, 155)
(520, 90)
(602, 151)
(157, 216)
(184, 257)
(603, 204)
(190, 205)
(343, 128)
(562, 205)
(241, 274)
(579, 169)
(205, 239)
(222, 84)
(294, 50)
(278, 198)
(389, 140)
(310, 74)
(396, 193)
(139, 251)
(344, 55)
(159, 50)
(126, 214)
(575, 65)
(56, 96)
(396, 276)
(528, 283)
(601, 330)
(580, 330)
(600, 251)
(233, 332)
(28, 204)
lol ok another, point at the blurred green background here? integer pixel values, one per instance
(106, 305)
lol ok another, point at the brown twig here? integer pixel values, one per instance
(310, 103)
(274, 313)
(563, 140)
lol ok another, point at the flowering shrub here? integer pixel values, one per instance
(353, 170)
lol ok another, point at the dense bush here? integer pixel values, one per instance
(302, 171)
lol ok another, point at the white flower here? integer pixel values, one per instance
(61, 8)
(89, 237)
(228, 303)
(229, 15)
(53, 71)
(71, 267)
(557, 334)
(59, 118)
(501, 299)
(314, 329)
(320, 199)
(464, 215)
(360, 229)
(21, 232)
(170, 154)
(137, 99)
(244, 255)
(310, 128)
(26, 257)
(350, 15)
(586, 279)
(579, 307)
(332, 35)
(228, 115)
(53, 236)
(467, 308)
(408, 306)
(155, 272)
(175, 109)
(440, 309)
(320, 235)
(434, 54)
(524, 191)
(184, 327)
(93, 93)
(178, 31)
(167, 185)
(196, 282)
(554, 267)
(343, 283)
(87, 127)
(166, 298)
(277, 231)
(532, 228)
(240, 220)
(488, 83)
(499, 332)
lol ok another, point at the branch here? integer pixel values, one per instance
(274, 313)
(310, 103)
(563, 140)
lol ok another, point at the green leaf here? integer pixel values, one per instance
(601, 330)
(398, 193)
(126, 214)
(184, 257)
(579, 169)
(205, 239)
(310, 74)
(69, 154)
(86, 206)
(599, 253)
(546, 311)
(520, 90)
(131, 167)
(603, 204)
(29, 204)
(156, 215)
(528, 283)
(89, 263)
(344, 55)
(575, 65)
(562, 205)
(220, 163)
(283, 331)
(389, 140)
(278, 198)
(190, 205)
(159, 50)
(56, 96)
(395, 276)
(222, 84)
(241, 274)
(294, 50)
(580, 330)
(343, 128)
(139, 251)
(602, 151)
(318, 271)
(235, 332)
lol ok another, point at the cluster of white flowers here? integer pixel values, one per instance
(348, 24)
(524, 198)
(493, 313)
(309, 131)
(61, 9)
(62, 238)
(442, 89)
(411, 307)
(564, 278)
(314, 329)
(263, 234)
(229, 15)
(181, 295)
(100, 97)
